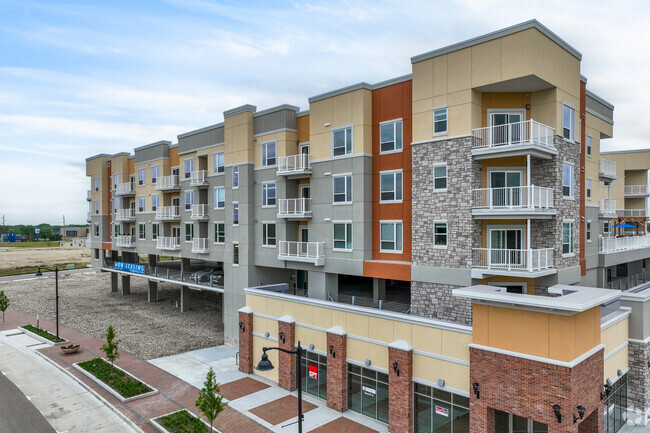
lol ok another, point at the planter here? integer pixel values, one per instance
(70, 348)
(43, 339)
(156, 422)
(116, 394)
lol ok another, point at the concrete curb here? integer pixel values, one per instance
(164, 430)
(116, 394)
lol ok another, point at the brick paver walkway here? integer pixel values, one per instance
(282, 409)
(343, 425)
(240, 388)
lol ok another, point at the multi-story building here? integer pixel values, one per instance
(465, 198)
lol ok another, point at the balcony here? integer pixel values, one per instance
(607, 170)
(631, 212)
(608, 245)
(520, 263)
(166, 243)
(199, 178)
(294, 165)
(310, 252)
(200, 245)
(199, 212)
(88, 242)
(608, 207)
(168, 183)
(125, 214)
(513, 202)
(632, 191)
(297, 208)
(88, 198)
(168, 213)
(124, 241)
(124, 189)
(89, 217)
(520, 138)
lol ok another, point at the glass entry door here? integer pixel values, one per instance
(507, 127)
(506, 247)
(505, 188)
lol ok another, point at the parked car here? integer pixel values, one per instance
(204, 276)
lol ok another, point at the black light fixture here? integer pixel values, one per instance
(266, 365)
(56, 288)
(395, 369)
(581, 414)
(241, 326)
(556, 410)
(282, 337)
(477, 393)
(607, 388)
(332, 352)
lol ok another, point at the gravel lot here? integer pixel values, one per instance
(147, 330)
(12, 258)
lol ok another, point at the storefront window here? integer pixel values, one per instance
(368, 392)
(509, 423)
(440, 411)
(314, 374)
(616, 406)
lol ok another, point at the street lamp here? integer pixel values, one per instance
(56, 285)
(265, 365)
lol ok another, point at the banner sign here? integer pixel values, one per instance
(313, 371)
(442, 411)
(129, 267)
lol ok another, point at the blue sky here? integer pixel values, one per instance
(79, 78)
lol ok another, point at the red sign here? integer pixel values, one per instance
(442, 411)
(313, 371)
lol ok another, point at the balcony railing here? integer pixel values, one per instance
(294, 208)
(167, 243)
(89, 217)
(125, 214)
(124, 241)
(514, 134)
(294, 164)
(168, 213)
(608, 206)
(607, 169)
(200, 245)
(515, 260)
(199, 212)
(312, 252)
(124, 189)
(631, 212)
(530, 197)
(88, 197)
(88, 242)
(624, 243)
(168, 182)
(632, 190)
(199, 178)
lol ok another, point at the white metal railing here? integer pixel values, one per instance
(510, 134)
(636, 189)
(89, 217)
(88, 195)
(167, 243)
(199, 211)
(507, 259)
(168, 212)
(530, 197)
(294, 207)
(200, 245)
(631, 212)
(607, 167)
(124, 188)
(168, 182)
(124, 214)
(623, 243)
(124, 240)
(88, 241)
(293, 164)
(302, 250)
(608, 206)
(198, 178)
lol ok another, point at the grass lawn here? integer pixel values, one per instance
(182, 422)
(121, 382)
(41, 244)
(42, 333)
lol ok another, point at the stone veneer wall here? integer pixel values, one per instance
(638, 378)
(436, 301)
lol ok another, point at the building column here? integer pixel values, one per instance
(286, 361)
(378, 289)
(593, 423)
(153, 262)
(152, 294)
(246, 340)
(185, 299)
(337, 369)
(126, 285)
(185, 267)
(481, 419)
(114, 282)
(400, 387)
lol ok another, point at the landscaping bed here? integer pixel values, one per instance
(182, 421)
(115, 380)
(41, 334)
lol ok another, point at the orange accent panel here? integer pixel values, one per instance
(107, 246)
(303, 128)
(504, 100)
(131, 165)
(387, 270)
(173, 157)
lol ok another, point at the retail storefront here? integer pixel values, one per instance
(314, 374)
(368, 392)
(440, 411)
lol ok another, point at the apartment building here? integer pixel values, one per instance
(460, 209)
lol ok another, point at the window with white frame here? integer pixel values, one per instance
(568, 122)
(218, 164)
(268, 194)
(440, 234)
(155, 172)
(141, 177)
(268, 154)
(342, 189)
(390, 236)
(155, 202)
(189, 232)
(96, 229)
(588, 189)
(219, 233)
(588, 230)
(116, 204)
(567, 237)
(567, 180)
(440, 121)
(142, 234)
(116, 180)
(188, 167)
(96, 207)
(116, 229)
(268, 234)
(589, 146)
(155, 229)
(390, 136)
(606, 227)
(141, 203)
(235, 254)
(96, 184)
(189, 199)
(343, 236)
(390, 186)
(235, 213)
(219, 197)
(235, 177)
(342, 141)
(440, 177)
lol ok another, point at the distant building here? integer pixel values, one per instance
(73, 232)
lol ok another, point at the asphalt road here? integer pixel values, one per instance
(17, 413)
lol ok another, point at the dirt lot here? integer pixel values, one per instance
(33, 257)
(148, 330)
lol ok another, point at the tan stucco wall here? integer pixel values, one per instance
(613, 337)
(97, 169)
(238, 136)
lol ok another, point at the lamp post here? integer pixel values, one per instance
(56, 286)
(265, 365)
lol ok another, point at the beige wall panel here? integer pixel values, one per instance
(322, 317)
(441, 75)
(571, 74)
(563, 342)
(519, 331)
(427, 339)
(486, 63)
(588, 333)
(308, 336)
(636, 177)
(423, 126)
(439, 101)
(259, 304)
(618, 361)
(423, 78)
(381, 329)
(275, 308)
(258, 343)
(403, 331)
(361, 350)
(460, 120)
(357, 324)
(342, 109)
(363, 139)
(634, 203)
(459, 70)
(458, 98)
(455, 375)
(262, 325)
(455, 344)
(338, 318)
(425, 106)
(614, 336)
(303, 314)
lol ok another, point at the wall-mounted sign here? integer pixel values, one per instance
(313, 371)
(129, 267)
(369, 391)
(442, 411)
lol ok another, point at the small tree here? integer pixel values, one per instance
(209, 402)
(4, 304)
(110, 348)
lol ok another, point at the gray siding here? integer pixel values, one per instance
(272, 121)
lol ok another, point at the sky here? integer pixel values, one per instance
(78, 78)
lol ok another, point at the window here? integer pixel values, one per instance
(235, 254)
(219, 197)
(219, 233)
(96, 184)
(154, 231)
(589, 146)
(141, 203)
(567, 180)
(235, 176)
(368, 392)
(391, 237)
(440, 177)
(141, 231)
(588, 230)
(343, 236)
(606, 227)
(440, 121)
(342, 141)
(390, 137)
(568, 122)
(218, 162)
(189, 199)
(268, 194)
(588, 189)
(268, 154)
(189, 232)
(155, 202)
(116, 205)
(188, 168)
(567, 237)
(390, 186)
(116, 180)
(154, 174)
(141, 178)
(438, 410)
(342, 189)
(116, 230)
(96, 253)
(268, 234)
(616, 405)
(440, 234)
(235, 213)
(96, 228)
(314, 374)
(96, 206)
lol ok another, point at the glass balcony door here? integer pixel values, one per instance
(507, 127)
(505, 185)
(506, 247)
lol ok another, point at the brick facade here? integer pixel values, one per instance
(286, 361)
(337, 373)
(400, 389)
(246, 340)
